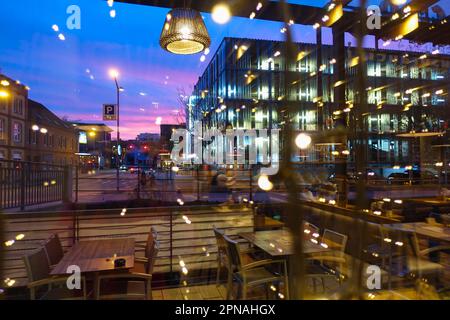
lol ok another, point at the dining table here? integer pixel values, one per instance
(94, 256)
(432, 231)
(279, 243)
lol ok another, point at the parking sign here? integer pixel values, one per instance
(109, 112)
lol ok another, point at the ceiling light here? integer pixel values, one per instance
(221, 14)
(186, 34)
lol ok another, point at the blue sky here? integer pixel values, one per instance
(71, 77)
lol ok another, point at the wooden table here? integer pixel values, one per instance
(279, 243)
(268, 224)
(437, 232)
(97, 256)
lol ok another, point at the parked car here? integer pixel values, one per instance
(413, 177)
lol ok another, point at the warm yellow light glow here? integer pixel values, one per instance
(184, 270)
(398, 2)
(20, 236)
(35, 128)
(303, 141)
(92, 134)
(4, 94)
(175, 169)
(9, 243)
(221, 13)
(113, 73)
(264, 183)
(4, 83)
(44, 130)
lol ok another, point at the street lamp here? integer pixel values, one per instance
(114, 74)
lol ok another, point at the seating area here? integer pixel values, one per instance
(223, 256)
(102, 273)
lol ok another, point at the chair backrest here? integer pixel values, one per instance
(311, 227)
(335, 240)
(221, 243)
(37, 265)
(151, 238)
(233, 252)
(53, 249)
(152, 258)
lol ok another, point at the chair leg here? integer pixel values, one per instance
(229, 284)
(314, 285)
(323, 284)
(219, 268)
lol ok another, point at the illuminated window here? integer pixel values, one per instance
(18, 105)
(17, 132)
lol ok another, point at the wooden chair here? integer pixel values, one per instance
(128, 285)
(252, 274)
(332, 263)
(417, 260)
(222, 257)
(38, 271)
(309, 229)
(53, 250)
(141, 263)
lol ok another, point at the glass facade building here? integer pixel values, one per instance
(244, 87)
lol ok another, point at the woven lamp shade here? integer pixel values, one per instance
(184, 32)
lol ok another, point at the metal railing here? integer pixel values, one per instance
(194, 242)
(24, 184)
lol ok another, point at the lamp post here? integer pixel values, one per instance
(115, 74)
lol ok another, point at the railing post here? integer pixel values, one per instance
(22, 187)
(76, 183)
(139, 183)
(251, 183)
(198, 182)
(67, 185)
(171, 241)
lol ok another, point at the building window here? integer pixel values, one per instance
(17, 155)
(2, 128)
(33, 136)
(18, 106)
(17, 132)
(3, 105)
(2, 154)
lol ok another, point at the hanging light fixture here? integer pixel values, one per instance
(184, 32)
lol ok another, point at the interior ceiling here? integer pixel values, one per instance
(303, 14)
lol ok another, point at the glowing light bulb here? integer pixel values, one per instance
(221, 14)
(264, 183)
(303, 141)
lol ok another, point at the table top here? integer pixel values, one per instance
(279, 243)
(97, 255)
(268, 224)
(438, 232)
